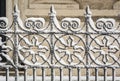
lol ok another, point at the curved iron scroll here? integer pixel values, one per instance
(64, 43)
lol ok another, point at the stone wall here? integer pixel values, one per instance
(64, 8)
(97, 4)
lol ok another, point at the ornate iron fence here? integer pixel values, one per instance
(81, 49)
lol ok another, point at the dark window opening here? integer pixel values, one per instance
(3, 38)
(2, 8)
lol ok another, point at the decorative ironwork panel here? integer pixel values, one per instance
(65, 44)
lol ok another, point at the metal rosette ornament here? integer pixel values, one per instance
(34, 50)
(104, 50)
(69, 50)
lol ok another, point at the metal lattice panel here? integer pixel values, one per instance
(58, 45)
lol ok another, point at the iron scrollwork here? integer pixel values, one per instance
(4, 24)
(6, 49)
(34, 23)
(70, 24)
(105, 24)
(39, 45)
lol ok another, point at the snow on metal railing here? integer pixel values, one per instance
(65, 44)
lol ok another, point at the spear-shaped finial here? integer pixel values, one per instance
(16, 10)
(16, 15)
(52, 11)
(87, 11)
(89, 21)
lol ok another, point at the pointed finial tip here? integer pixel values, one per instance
(52, 9)
(88, 10)
(52, 6)
(16, 8)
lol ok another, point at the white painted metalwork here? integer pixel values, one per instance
(59, 46)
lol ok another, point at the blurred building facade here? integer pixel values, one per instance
(65, 8)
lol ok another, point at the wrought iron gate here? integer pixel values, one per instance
(81, 49)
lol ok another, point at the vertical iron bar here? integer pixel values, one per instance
(96, 74)
(87, 74)
(52, 15)
(25, 74)
(43, 74)
(52, 74)
(17, 74)
(79, 74)
(113, 74)
(87, 17)
(16, 56)
(70, 74)
(61, 74)
(16, 15)
(7, 74)
(34, 74)
(105, 73)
